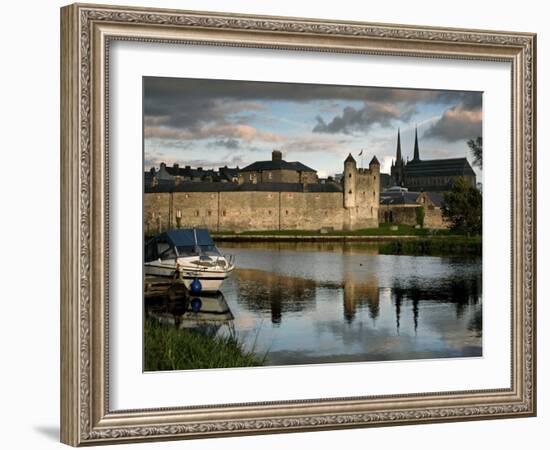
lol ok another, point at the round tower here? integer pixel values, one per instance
(350, 182)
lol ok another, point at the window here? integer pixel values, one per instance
(349, 175)
(209, 213)
(269, 175)
(349, 191)
(197, 213)
(269, 212)
(251, 177)
(223, 213)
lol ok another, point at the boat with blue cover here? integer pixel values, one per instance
(188, 255)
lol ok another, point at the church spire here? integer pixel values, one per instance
(398, 158)
(416, 150)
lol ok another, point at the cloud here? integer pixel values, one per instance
(362, 119)
(229, 143)
(316, 144)
(460, 122)
(220, 131)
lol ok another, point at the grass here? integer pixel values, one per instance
(455, 246)
(169, 348)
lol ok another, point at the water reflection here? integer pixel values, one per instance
(332, 302)
(205, 314)
(314, 303)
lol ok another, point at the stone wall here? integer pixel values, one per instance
(406, 215)
(277, 176)
(248, 210)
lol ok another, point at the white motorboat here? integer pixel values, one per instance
(188, 255)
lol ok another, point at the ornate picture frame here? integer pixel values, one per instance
(87, 32)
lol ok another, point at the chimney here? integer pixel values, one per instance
(176, 166)
(276, 155)
(162, 165)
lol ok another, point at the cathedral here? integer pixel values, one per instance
(431, 174)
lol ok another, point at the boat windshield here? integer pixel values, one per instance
(194, 250)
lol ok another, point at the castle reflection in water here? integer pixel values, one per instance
(267, 292)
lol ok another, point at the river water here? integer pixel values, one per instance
(311, 303)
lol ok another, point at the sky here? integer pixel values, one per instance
(213, 123)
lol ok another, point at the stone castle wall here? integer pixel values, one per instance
(252, 210)
(245, 210)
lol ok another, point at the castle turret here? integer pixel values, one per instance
(350, 181)
(374, 165)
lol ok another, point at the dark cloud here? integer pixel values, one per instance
(185, 89)
(460, 122)
(362, 119)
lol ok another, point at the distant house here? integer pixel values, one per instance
(398, 206)
(179, 174)
(229, 174)
(277, 170)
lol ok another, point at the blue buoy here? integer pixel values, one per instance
(196, 304)
(196, 286)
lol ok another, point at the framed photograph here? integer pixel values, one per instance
(276, 224)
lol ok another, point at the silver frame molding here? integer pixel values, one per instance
(86, 32)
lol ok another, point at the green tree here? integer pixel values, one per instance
(420, 214)
(462, 207)
(476, 147)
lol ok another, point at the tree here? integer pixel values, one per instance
(420, 214)
(476, 147)
(462, 207)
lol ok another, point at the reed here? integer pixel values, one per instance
(170, 348)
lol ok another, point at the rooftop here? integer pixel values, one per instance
(408, 198)
(439, 167)
(281, 164)
(162, 187)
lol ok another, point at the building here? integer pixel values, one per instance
(398, 205)
(229, 174)
(258, 205)
(435, 175)
(277, 170)
(179, 174)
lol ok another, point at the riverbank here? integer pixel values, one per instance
(384, 231)
(401, 239)
(170, 348)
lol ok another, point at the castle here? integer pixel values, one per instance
(436, 175)
(268, 202)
